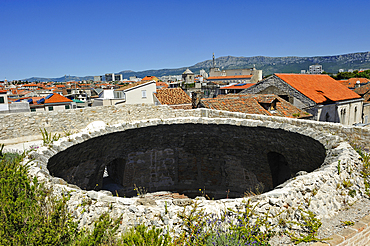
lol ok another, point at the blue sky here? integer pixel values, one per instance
(51, 38)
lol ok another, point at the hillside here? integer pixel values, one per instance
(269, 65)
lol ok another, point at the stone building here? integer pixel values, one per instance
(188, 76)
(320, 95)
(217, 73)
(4, 101)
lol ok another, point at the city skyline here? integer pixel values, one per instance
(53, 38)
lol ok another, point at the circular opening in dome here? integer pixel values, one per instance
(218, 161)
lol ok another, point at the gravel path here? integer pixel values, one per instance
(331, 226)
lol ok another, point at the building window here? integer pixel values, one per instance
(51, 108)
(2, 100)
(143, 94)
(355, 119)
(66, 107)
(327, 117)
(33, 109)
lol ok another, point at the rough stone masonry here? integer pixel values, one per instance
(312, 149)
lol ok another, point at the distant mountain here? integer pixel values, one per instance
(269, 65)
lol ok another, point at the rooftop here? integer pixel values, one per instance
(269, 104)
(319, 88)
(172, 96)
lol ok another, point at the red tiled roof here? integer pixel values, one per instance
(163, 84)
(172, 96)
(149, 78)
(362, 90)
(252, 104)
(3, 91)
(238, 86)
(350, 83)
(319, 87)
(231, 77)
(56, 98)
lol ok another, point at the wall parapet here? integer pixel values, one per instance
(308, 190)
(23, 127)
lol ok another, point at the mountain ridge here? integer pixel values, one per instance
(269, 65)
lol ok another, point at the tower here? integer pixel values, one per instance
(213, 60)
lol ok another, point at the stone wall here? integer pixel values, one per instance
(357, 234)
(320, 191)
(22, 127)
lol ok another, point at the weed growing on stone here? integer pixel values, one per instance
(346, 183)
(48, 138)
(233, 227)
(352, 193)
(140, 191)
(309, 224)
(347, 223)
(142, 235)
(366, 165)
(338, 167)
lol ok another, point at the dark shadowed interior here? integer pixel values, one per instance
(192, 159)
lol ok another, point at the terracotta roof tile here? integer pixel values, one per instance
(319, 88)
(254, 104)
(56, 98)
(350, 83)
(149, 78)
(161, 84)
(172, 96)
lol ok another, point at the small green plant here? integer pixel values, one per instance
(142, 235)
(338, 167)
(309, 225)
(314, 191)
(140, 191)
(348, 223)
(67, 133)
(346, 183)
(165, 207)
(352, 193)
(48, 138)
(365, 172)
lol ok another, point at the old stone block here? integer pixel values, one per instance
(182, 202)
(359, 226)
(347, 233)
(335, 240)
(365, 220)
(146, 202)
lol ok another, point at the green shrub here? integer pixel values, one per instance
(29, 215)
(143, 236)
(104, 232)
